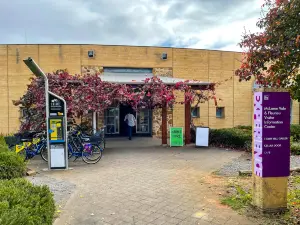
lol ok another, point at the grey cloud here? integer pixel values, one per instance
(201, 8)
(135, 22)
(68, 21)
(208, 10)
(221, 44)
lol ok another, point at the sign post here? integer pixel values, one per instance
(176, 136)
(271, 150)
(56, 115)
(57, 132)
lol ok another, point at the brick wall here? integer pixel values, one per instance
(4, 110)
(204, 65)
(157, 113)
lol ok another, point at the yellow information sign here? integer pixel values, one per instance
(56, 127)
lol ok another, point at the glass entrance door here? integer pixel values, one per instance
(143, 121)
(112, 116)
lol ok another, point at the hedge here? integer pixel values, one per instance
(295, 148)
(23, 203)
(240, 137)
(12, 165)
(295, 130)
(231, 138)
(244, 127)
(20, 201)
(2, 141)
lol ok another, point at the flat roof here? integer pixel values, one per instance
(133, 78)
(115, 45)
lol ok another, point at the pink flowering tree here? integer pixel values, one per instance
(33, 102)
(88, 93)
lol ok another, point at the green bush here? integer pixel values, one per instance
(2, 141)
(23, 203)
(231, 138)
(295, 148)
(295, 132)
(3, 145)
(244, 127)
(240, 137)
(12, 165)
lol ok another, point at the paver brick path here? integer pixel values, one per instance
(137, 183)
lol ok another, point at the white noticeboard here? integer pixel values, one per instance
(57, 157)
(202, 136)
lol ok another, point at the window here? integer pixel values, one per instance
(91, 54)
(127, 70)
(164, 56)
(195, 112)
(220, 112)
(143, 119)
(112, 120)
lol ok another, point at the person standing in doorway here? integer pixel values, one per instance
(131, 122)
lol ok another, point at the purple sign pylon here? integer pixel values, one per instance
(271, 134)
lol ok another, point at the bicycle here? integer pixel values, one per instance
(31, 146)
(98, 137)
(78, 147)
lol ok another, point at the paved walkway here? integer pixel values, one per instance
(138, 183)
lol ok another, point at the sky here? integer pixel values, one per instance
(201, 24)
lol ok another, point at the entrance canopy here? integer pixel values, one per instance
(134, 78)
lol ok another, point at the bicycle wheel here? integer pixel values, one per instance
(71, 150)
(92, 154)
(102, 143)
(44, 154)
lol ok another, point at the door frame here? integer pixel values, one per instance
(105, 120)
(149, 124)
(138, 134)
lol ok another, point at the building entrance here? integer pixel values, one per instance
(116, 126)
(124, 109)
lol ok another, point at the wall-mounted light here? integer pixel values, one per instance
(164, 56)
(91, 53)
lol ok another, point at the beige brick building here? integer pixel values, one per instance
(205, 65)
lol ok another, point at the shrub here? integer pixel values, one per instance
(244, 127)
(240, 137)
(193, 135)
(2, 142)
(231, 138)
(295, 148)
(12, 165)
(23, 203)
(11, 140)
(295, 132)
